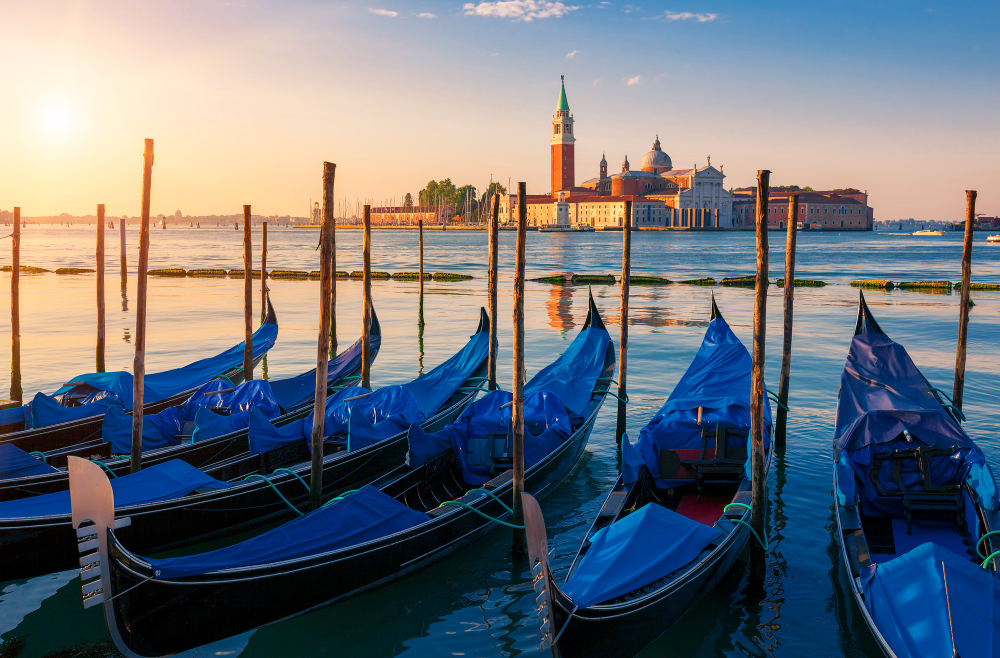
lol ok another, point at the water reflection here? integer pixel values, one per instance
(127, 337)
(559, 306)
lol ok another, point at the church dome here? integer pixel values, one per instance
(656, 161)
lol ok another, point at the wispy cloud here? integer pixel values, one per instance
(571, 55)
(631, 8)
(597, 81)
(426, 14)
(688, 16)
(518, 10)
(633, 81)
(384, 12)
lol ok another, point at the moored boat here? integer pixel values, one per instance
(993, 238)
(928, 232)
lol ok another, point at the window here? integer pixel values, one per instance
(556, 129)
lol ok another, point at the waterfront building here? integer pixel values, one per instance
(831, 210)
(410, 215)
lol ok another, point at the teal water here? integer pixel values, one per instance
(473, 605)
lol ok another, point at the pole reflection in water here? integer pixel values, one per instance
(420, 346)
(124, 302)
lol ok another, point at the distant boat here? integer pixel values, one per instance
(928, 233)
(993, 238)
(555, 228)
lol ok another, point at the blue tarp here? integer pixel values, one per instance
(299, 390)
(433, 388)
(161, 429)
(96, 392)
(166, 481)
(907, 601)
(360, 517)
(884, 398)
(16, 463)
(381, 413)
(574, 374)
(639, 549)
(718, 381)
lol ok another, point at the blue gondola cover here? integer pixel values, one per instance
(432, 389)
(574, 374)
(16, 463)
(639, 549)
(360, 517)
(296, 391)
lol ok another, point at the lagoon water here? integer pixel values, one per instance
(473, 604)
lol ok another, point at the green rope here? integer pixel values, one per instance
(958, 412)
(946, 396)
(105, 467)
(763, 544)
(473, 379)
(271, 484)
(990, 557)
(625, 399)
(485, 516)
(227, 379)
(609, 379)
(775, 398)
(291, 472)
(340, 497)
(491, 495)
(980, 542)
(40, 455)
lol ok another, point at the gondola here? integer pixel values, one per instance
(288, 400)
(674, 523)
(173, 504)
(916, 502)
(418, 514)
(75, 412)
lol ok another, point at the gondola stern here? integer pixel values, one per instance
(271, 317)
(593, 314)
(866, 321)
(375, 328)
(716, 313)
(541, 575)
(484, 321)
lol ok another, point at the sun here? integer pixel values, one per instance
(56, 120)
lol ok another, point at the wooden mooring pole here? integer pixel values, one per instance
(15, 311)
(759, 492)
(420, 272)
(366, 259)
(327, 273)
(124, 260)
(100, 287)
(493, 277)
(786, 345)
(263, 273)
(623, 340)
(139, 365)
(247, 297)
(517, 388)
(958, 391)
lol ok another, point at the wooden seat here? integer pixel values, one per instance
(930, 499)
(725, 466)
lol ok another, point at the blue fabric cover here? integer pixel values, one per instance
(166, 481)
(635, 551)
(16, 463)
(574, 374)
(718, 381)
(382, 413)
(884, 397)
(363, 516)
(433, 388)
(161, 429)
(631, 460)
(96, 392)
(299, 390)
(906, 599)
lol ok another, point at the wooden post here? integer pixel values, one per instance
(139, 365)
(333, 264)
(366, 260)
(100, 287)
(15, 311)
(623, 340)
(247, 298)
(786, 345)
(759, 497)
(494, 231)
(124, 260)
(963, 314)
(517, 413)
(263, 273)
(420, 272)
(327, 273)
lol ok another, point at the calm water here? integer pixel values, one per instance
(473, 605)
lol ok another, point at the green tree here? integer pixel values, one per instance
(408, 200)
(494, 188)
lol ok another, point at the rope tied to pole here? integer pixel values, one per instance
(763, 543)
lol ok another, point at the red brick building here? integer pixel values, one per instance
(833, 210)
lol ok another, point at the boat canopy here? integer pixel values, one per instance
(433, 388)
(636, 550)
(16, 463)
(359, 517)
(166, 481)
(717, 382)
(915, 613)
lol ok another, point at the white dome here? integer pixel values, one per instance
(656, 161)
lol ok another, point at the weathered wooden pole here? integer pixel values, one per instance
(759, 492)
(247, 298)
(327, 273)
(517, 413)
(366, 260)
(493, 276)
(333, 261)
(623, 340)
(139, 365)
(263, 273)
(786, 345)
(100, 287)
(15, 311)
(963, 314)
(124, 260)
(420, 271)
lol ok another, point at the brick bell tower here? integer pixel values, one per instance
(563, 163)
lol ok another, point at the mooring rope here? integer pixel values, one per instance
(762, 543)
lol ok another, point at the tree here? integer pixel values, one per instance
(494, 188)
(408, 200)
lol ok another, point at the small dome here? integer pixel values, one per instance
(625, 164)
(656, 161)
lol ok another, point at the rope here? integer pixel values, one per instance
(625, 399)
(482, 514)
(990, 557)
(981, 539)
(491, 495)
(763, 544)
(775, 398)
(290, 472)
(609, 379)
(227, 379)
(105, 466)
(39, 455)
(956, 410)
(271, 484)
(340, 497)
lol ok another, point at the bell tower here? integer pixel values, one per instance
(562, 140)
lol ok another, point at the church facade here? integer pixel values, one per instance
(662, 197)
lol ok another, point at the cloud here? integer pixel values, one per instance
(633, 81)
(572, 54)
(630, 8)
(688, 16)
(426, 14)
(518, 10)
(597, 81)
(384, 12)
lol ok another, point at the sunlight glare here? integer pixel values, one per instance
(56, 120)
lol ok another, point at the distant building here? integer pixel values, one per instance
(834, 210)
(178, 216)
(317, 214)
(411, 215)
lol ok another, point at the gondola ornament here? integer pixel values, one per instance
(538, 558)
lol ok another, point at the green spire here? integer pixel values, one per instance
(563, 103)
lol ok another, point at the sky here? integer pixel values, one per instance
(246, 99)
